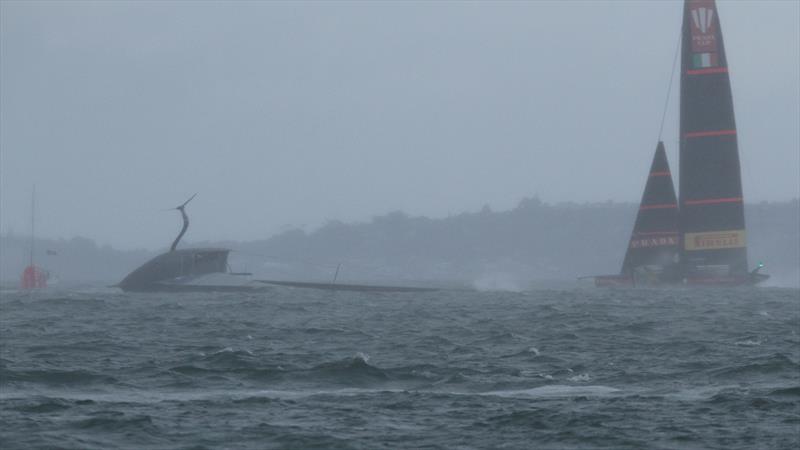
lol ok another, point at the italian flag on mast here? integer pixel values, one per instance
(703, 60)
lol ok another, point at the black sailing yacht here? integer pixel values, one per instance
(207, 270)
(188, 270)
(701, 238)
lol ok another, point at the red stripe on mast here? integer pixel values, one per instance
(695, 134)
(707, 71)
(655, 233)
(713, 201)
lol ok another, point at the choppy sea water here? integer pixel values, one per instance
(580, 368)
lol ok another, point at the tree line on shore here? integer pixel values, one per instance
(533, 241)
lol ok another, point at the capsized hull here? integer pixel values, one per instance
(346, 287)
(213, 282)
(175, 288)
(189, 270)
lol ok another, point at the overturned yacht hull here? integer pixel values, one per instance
(189, 270)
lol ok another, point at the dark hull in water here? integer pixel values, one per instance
(211, 282)
(346, 287)
(207, 270)
(612, 280)
(729, 281)
(189, 270)
(199, 288)
(204, 270)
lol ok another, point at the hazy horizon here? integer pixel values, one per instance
(292, 114)
(172, 229)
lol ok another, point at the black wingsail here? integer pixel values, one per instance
(654, 246)
(711, 206)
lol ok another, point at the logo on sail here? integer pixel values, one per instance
(702, 18)
(704, 36)
(649, 242)
(714, 240)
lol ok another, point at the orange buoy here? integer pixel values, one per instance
(33, 278)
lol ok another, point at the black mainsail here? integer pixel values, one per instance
(653, 249)
(711, 204)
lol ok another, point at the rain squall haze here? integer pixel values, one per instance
(490, 152)
(288, 115)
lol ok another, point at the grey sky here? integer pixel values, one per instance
(296, 113)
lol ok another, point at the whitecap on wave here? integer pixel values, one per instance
(557, 390)
(580, 378)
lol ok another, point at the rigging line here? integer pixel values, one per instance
(669, 87)
(335, 276)
(33, 221)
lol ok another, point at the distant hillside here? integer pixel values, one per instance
(534, 241)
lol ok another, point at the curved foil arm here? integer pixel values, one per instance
(185, 223)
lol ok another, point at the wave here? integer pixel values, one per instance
(263, 396)
(580, 378)
(434, 341)
(504, 337)
(39, 405)
(55, 377)
(230, 358)
(531, 419)
(740, 399)
(749, 342)
(556, 391)
(229, 362)
(775, 363)
(116, 421)
(456, 378)
(353, 370)
(422, 372)
(534, 354)
(793, 391)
